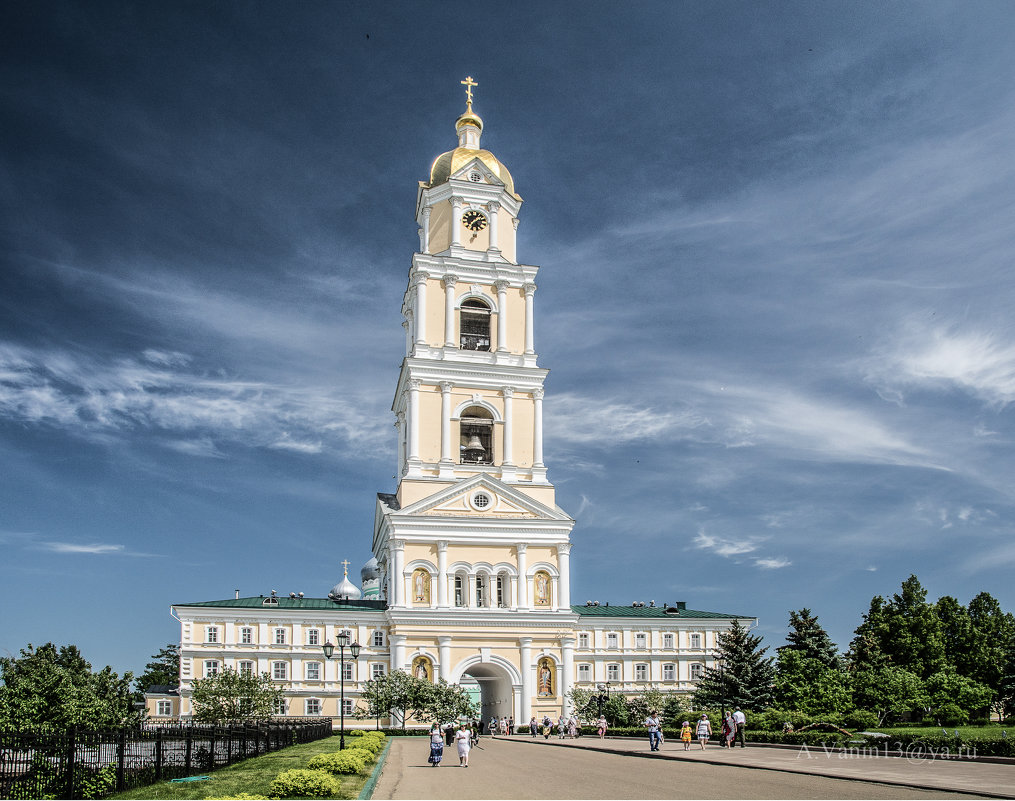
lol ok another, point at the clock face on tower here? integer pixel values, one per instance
(474, 220)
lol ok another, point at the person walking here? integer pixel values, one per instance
(436, 746)
(463, 739)
(547, 727)
(493, 726)
(533, 726)
(653, 725)
(511, 725)
(503, 726)
(601, 727)
(685, 735)
(704, 730)
(729, 730)
(741, 720)
(572, 727)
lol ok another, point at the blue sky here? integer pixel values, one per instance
(776, 295)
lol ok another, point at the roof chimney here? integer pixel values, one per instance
(237, 594)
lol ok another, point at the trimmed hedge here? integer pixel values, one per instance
(300, 783)
(351, 760)
(367, 743)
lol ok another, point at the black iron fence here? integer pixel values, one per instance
(94, 764)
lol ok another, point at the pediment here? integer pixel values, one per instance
(482, 497)
(475, 166)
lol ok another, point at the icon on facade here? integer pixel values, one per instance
(422, 669)
(544, 673)
(421, 586)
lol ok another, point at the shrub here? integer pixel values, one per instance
(351, 760)
(371, 744)
(860, 719)
(378, 734)
(299, 783)
(357, 732)
(239, 797)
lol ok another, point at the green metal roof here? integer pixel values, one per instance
(650, 611)
(257, 602)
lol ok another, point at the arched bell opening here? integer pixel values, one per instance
(476, 427)
(475, 325)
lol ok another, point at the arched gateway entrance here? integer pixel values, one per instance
(500, 687)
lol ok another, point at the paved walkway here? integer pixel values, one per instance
(523, 768)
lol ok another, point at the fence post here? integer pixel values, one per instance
(121, 761)
(229, 745)
(189, 749)
(211, 750)
(71, 751)
(158, 754)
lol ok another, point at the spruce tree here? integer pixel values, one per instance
(809, 638)
(745, 677)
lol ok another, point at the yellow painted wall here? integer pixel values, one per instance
(440, 227)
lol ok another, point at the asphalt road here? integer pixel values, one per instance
(502, 770)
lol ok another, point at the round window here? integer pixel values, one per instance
(475, 177)
(481, 500)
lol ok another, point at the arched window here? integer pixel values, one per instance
(697, 671)
(476, 446)
(461, 590)
(503, 590)
(482, 590)
(475, 325)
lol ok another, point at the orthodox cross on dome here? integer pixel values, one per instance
(468, 83)
(345, 566)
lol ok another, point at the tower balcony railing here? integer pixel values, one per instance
(475, 342)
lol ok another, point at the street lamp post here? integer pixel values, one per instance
(329, 649)
(720, 663)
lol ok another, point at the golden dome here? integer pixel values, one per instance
(447, 164)
(469, 117)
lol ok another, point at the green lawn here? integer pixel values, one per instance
(965, 732)
(253, 776)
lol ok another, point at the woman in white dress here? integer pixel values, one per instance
(462, 740)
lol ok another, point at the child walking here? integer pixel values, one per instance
(685, 735)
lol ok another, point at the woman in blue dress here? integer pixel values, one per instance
(436, 745)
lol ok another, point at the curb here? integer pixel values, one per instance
(707, 761)
(371, 783)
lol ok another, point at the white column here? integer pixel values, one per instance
(442, 576)
(508, 393)
(523, 584)
(401, 442)
(564, 565)
(444, 654)
(525, 647)
(446, 420)
(494, 242)
(398, 651)
(555, 589)
(537, 427)
(398, 561)
(407, 325)
(456, 221)
(567, 669)
(514, 593)
(449, 311)
(502, 316)
(419, 313)
(413, 420)
(425, 246)
(530, 290)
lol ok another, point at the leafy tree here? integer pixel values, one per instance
(229, 695)
(810, 640)
(993, 636)
(395, 694)
(957, 633)
(745, 678)
(809, 685)
(946, 689)
(56, 686)
(583, 702)
(673, 708)
(164, 669)
(888, 691)
(1006, 691)
(904, 632)
(441, 702)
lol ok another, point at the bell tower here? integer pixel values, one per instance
(470, 395)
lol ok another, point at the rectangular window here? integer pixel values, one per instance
(164, 709)
(583, 640)
(246, 635)
(613, 672)
(279, 671)
(211, 667)
(313, 671)
(696, 642)
(280, 707)
(348, 705)
(211, 634)
(641, 672)
(480, 590)
(376, 670)
(501, 596)
(279, 636)
(313, 637)
(313, 706)
(697, 671)
(668, 642)
(584, 672)
(669, 672)
(378, 639)
(347, 670)
(246, 668)
(611, 641)
(459, 591)
(639, 640)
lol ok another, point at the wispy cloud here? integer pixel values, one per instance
(772, 563)
(723, 546)
(70, 547)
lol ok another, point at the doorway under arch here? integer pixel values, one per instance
(499, 688)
